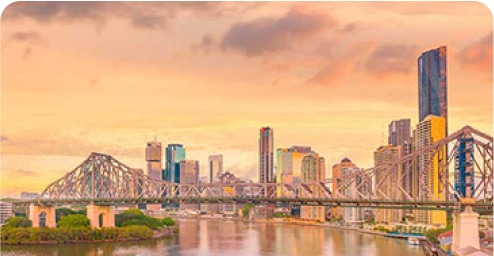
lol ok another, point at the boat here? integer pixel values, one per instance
(413, 240)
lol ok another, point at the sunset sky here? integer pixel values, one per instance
(82, 77)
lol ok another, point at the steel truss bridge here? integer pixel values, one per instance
(102, 180)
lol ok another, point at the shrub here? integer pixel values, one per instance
(18, 222)
(169, 222)
(134, 217)
(60, 235)
(73, 221)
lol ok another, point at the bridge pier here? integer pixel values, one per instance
(42, 216)
(465, 229)
(107, 212)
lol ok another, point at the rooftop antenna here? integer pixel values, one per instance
(155, 134)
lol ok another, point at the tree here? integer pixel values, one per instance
(246, 210)
(74, 221)
(18, 222)
(169, 222)
(133, 217)
(62, 212)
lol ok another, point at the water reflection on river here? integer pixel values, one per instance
(226, 237)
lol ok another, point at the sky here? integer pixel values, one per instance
(82, 77)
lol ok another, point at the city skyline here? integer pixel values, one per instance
(103, 76)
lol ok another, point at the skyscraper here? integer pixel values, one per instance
(215, 167)
(464, 165)
(337, 174)
(174, 154)
(313, 170)
(399, 135)
(426, 184)
(433, 94)
(153, 159)
(266, 155)
(189, 172)
(289, 164)
(385, 179)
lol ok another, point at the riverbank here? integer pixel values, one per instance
(41, 236)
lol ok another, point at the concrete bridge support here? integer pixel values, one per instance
(42, 216)
(465, 229)
(107, 214)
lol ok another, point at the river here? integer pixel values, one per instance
(235, 238)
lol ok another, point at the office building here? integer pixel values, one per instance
(6, 211)
(399, 134)
(266, 161)
(313, 170)
(386, 180)
(289, 164)
(337, 172)
(153, 160)
(29, 195)
(433, 93)
(189, 172)
(174, 154)
(464, 171)
(215, 167)
(426, 184)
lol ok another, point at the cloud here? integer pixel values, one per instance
(392, 59)
(478, 55)
(30, 36)
(19, 173)
(209, 41)
(267, 35)
(427, 8)
(331, 73)
(140, 20)
(50, 11)
(143, 15)
(350, 27)
(3, 138)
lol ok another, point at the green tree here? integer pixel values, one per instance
(74, 221)
(246, 210)
(169, 222)
(18, 222)
(62, 212)
(279, 215)
(134, 217)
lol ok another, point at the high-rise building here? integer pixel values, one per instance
(174, 154)
(337, 173)
(289, 164)
(464, 163)
(6, 211)
(385, 180)
(351, 215)
(399, 135)
(433, 93)
(153, 160)
(313, 170)
(266, 165)
(189, 172)
(215, 167)
(427, 184)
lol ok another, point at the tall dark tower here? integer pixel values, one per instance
(266, 155)
(433, 87)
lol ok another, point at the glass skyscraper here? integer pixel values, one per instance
(433, 95)
(174, 154)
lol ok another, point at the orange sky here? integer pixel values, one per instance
(78, 77)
